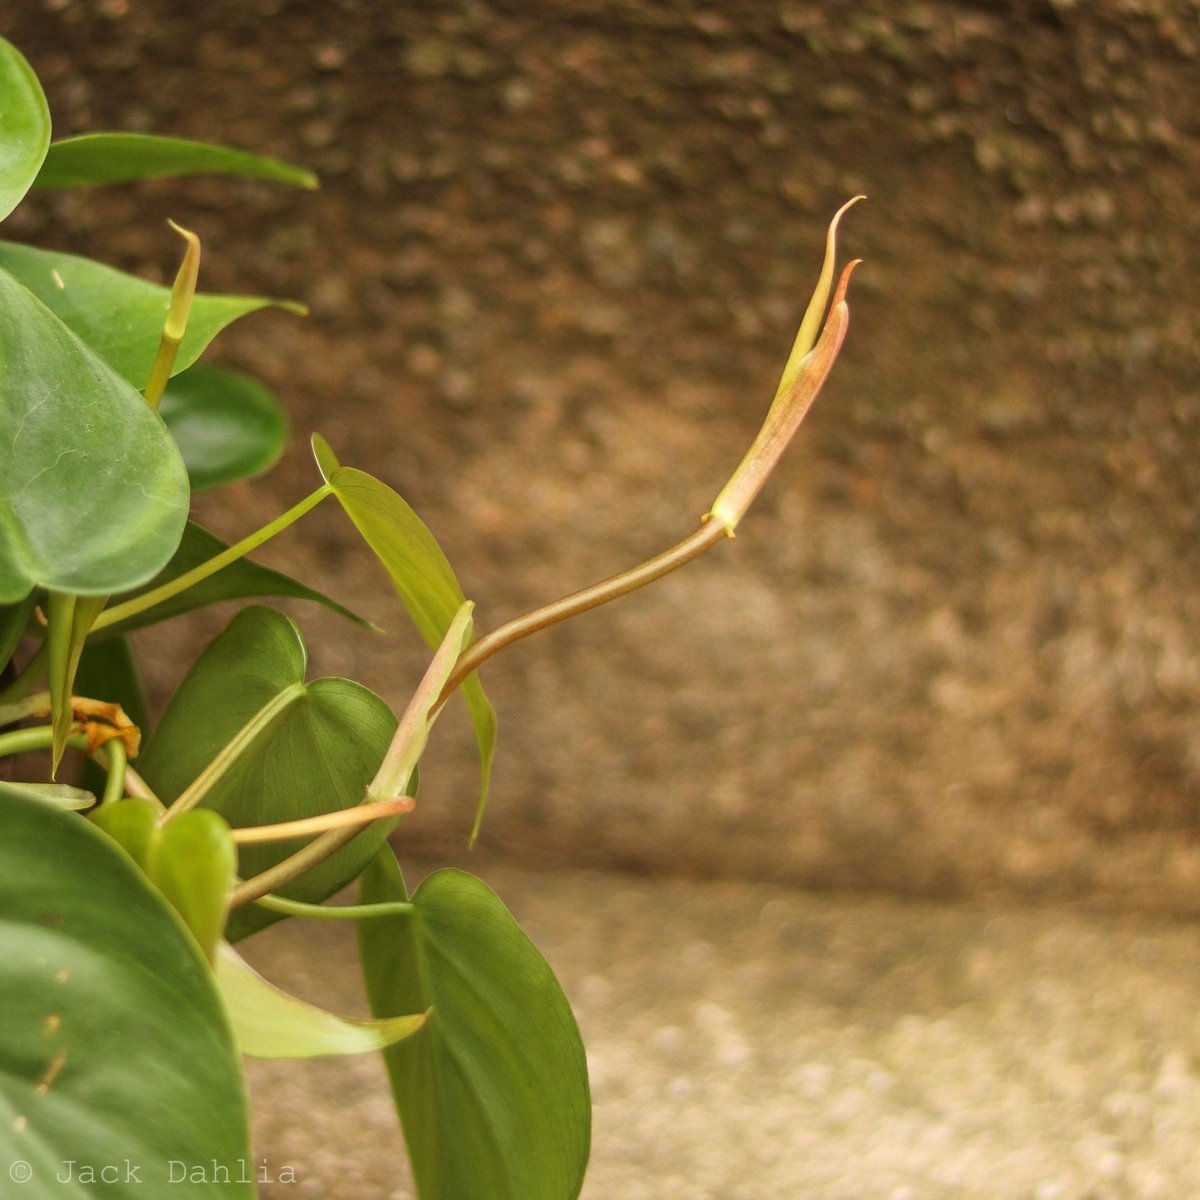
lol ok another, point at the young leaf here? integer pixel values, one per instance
(69, 619)
(121, 316)
(112, 1032)
(228, 426)
(495, 1086)
(24, 127)
(190, 859)
(420, 572)
(269, 1023)
(240, 580)
(93, 492)
(315, 754)
(103, 158)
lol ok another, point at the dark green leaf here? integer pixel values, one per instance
(420, 572)
(228, 425)
(24, 127)
(240, 580)
(109, 672)
(102, 158)
(495, 1086)
(316, 753)
(14, 619)
(121, 316)
(114, 1043)
(93, 492)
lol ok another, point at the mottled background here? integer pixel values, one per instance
(554, 269)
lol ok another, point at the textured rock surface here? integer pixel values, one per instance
(554, 270)
(747, 1042)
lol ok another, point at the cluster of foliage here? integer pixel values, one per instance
(125, 1010)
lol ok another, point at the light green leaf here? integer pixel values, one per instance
(241, 580)
(114, 1043)
(58, 795)
(315, 754)
(420, 572)
(121, 316)
(104, 158)
(93, 493)
(269, 1023)
(24, 127)
(495, 1086)
(191, 859)
(228, 425)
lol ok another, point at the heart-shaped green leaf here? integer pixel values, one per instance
(190, 859)
(102, 158)
(241, 580)
(495, 1086)
(228, 425)
(269, 1023)
(93, 492)
(420, 572)
(24, 127)
(114, 1043)
(314, 750)
(121, 316)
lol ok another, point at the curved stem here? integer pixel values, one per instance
(118, 762)
(181, 583)
(291, 867)
(341, 912)
(708, 535)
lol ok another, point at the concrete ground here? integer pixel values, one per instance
(748, 1042)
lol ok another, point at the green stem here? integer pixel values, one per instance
(292, 867)
(322, 912)
(22, 740)
(172, 588)
(708, 535)
(234, 749)
(118, 761)
(41, 737)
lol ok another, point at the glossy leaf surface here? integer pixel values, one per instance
(121, 316)
(228, 426)
(24, 127)
(114, 1043)
(93, 492)
(495, 1086)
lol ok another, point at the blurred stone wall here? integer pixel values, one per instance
(554, 269)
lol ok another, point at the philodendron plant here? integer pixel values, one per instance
(125, 1009)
